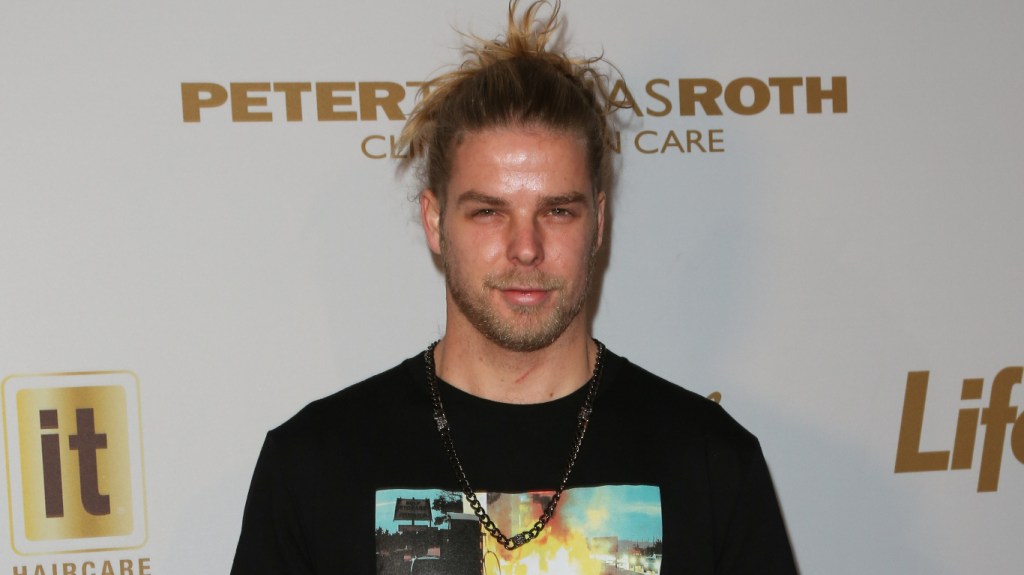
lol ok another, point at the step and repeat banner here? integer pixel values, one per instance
(817, 216)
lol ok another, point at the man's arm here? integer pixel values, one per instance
(752, 533)
(271, 542)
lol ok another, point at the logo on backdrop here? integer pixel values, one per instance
(1000, 418)
(684, 98)
(74, 461)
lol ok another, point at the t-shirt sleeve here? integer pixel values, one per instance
(270, 541)
(753, 538)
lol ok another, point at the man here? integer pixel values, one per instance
(517, 441)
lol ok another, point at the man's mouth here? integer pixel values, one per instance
(525, 296)
(524, 289)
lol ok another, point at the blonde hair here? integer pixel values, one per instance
(511, 81)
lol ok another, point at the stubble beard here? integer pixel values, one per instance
(531, 328)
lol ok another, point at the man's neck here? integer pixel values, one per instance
(476, 365)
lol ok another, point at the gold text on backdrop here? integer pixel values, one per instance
(744, 96)
(379, 146)
(138, 566)
(686, 142)
(74, 462)
(996, 418)
(372, 101)
(335, 101)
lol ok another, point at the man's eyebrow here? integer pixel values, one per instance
(473, 196)
(561, 199)
(480, 197)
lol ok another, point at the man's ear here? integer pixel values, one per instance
(600, 221)
(430, 215)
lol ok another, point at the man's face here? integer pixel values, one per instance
(518, 234)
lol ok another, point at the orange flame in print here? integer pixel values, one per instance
(560, 549)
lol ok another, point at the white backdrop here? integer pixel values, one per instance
(242, 269)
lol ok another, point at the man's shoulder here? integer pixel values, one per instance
(355, 407)
(675, 410)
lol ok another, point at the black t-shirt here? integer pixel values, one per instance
(359, 482)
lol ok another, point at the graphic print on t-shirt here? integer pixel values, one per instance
(611, 529)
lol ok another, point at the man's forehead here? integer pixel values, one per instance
(509, 152)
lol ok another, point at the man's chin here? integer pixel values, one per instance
(531, 330)
(524, 344)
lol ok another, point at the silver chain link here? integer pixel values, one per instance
(583, 419)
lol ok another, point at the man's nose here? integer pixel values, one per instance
(525, 243)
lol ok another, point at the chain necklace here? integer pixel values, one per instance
(583, 418)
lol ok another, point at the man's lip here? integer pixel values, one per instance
(524, 295)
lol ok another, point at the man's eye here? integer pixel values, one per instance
(560, 212)
(484, 212)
